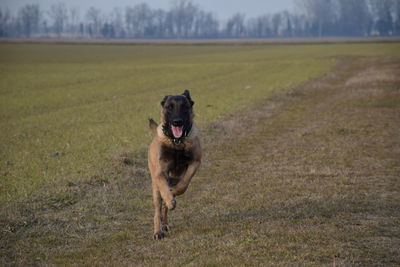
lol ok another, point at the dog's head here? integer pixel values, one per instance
(177, 115)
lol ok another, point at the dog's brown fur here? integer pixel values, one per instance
(172, 165)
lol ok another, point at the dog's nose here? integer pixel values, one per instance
(177, 122)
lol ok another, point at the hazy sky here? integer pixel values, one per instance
(222, 8)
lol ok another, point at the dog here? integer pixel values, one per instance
(174, 156)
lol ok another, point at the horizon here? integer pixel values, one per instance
(183, 19)
(252, 8)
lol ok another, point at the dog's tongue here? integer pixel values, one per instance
(177, 131)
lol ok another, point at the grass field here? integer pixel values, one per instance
(312, 176)
(90, 102)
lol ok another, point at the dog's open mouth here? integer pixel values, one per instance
(177, 131)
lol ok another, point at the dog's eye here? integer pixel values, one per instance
(171, 106)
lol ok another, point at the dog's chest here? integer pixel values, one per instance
(177, 159)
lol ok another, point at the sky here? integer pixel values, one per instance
(222, 8)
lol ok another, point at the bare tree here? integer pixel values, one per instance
(210, 26)
(382, 11)
(5, 20)
(266, 25)
(397, 15)
(169, 25)
(29, 19)
(354, 17)
(205, 25)
(276, 23)
(300, 25)
(321, 14)
(59, 14)
(94, 20)
(183, 14)
(139, 20)
(116, 20)
(287, 24)
(258, 27)
(74, 18)
(235, 26)
(186, 20)
(160, 17)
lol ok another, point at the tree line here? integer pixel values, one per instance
(184, 19)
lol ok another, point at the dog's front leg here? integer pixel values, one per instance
(165, 191)
(164, 218)
(183, 184)
(158, 234)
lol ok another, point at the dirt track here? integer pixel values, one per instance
(308, 177)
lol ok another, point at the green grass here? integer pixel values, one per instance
(308, 176)
(88, 102)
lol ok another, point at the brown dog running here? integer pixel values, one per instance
(174, 156)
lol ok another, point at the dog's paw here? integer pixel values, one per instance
(171, 205)
(158, 236)
(165, 228)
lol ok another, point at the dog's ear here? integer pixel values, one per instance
(164, 100)
(187, 94)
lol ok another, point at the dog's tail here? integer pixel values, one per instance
(153, 126)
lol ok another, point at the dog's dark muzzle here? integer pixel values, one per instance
(177, 122)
